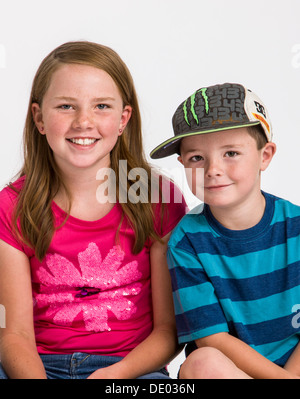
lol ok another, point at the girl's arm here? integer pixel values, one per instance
(19, 356)
(160, 347)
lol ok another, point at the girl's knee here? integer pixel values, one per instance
(206, 363)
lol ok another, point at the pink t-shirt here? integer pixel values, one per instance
(91, 293)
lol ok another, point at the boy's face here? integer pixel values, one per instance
(231, 163)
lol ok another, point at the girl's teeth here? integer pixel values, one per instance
(83, 141)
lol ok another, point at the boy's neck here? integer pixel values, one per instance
(242, 216)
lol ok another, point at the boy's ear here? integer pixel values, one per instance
(267, 154)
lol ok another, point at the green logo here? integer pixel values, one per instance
(193, 96)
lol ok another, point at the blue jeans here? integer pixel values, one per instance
(81, 365)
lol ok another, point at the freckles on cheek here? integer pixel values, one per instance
(54, 129)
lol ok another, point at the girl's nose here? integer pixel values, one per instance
(83, 120)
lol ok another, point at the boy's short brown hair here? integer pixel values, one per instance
(258, 134)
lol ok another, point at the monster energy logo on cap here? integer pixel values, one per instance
(203, 92)
(212, 109)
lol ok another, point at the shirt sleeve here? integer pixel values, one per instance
(7, 204)
(170, 209)
(197, 309)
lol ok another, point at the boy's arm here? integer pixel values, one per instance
(248, 359)
(293, 364)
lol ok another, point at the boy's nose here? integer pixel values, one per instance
(213, 168)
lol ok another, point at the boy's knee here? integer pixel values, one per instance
(205, 363)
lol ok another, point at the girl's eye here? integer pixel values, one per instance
(102, 106)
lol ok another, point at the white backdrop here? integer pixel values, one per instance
(172, 48)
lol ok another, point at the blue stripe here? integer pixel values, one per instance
(185, 298)
(284, 358)
(256, 311)
(183, 277)
(265, 332)
(244, 289)
(257, 287)
(191, 321)
(285, 209)
(239, 267)
(207, 243)
(222, 266)
(278, 352)
(192, 336)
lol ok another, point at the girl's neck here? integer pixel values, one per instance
(82, 185)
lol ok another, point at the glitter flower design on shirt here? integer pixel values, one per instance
(99, 287)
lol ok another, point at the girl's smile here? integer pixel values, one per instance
(83, 141)
(82, 116)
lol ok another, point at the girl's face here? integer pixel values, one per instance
(81, 115)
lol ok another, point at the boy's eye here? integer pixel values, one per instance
(196, 158)
(65, 106)
(231, 154)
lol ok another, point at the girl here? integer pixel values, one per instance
(75, 274)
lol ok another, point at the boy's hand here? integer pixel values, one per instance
(293, 363)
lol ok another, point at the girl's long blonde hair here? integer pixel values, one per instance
(43, 177)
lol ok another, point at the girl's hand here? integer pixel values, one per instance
(114, 371)
(104, 373)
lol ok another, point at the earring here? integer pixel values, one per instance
(120, 130)
(41, 129)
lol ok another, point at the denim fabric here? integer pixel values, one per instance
(81, 365)
(3, 376)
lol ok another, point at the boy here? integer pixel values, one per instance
(234, 261)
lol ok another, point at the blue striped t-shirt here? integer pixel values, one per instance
(244, 282)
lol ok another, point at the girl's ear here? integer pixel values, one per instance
(38, 117)
(267, 154)
(180, 159)
(126, 115)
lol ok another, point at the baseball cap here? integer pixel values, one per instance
(213, 109)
